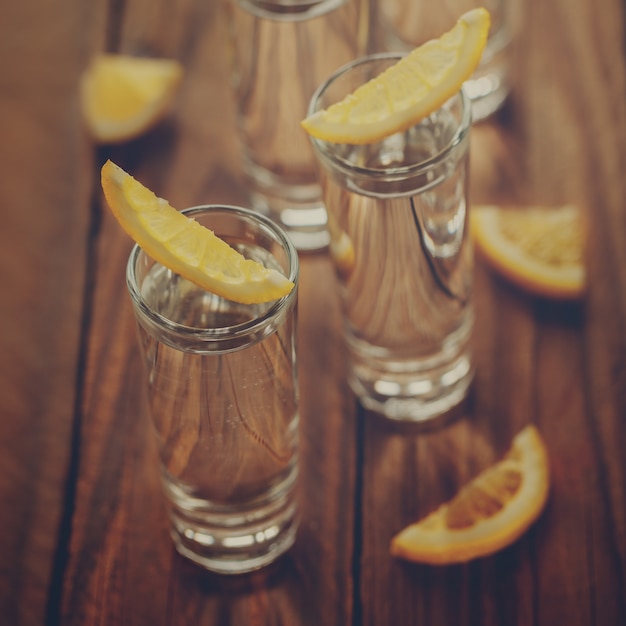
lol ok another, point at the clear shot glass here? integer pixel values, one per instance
(223, 400)
(398, 221)
(282, 50)
(401, 25)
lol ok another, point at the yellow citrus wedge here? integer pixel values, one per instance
(539, 249)
(409, 90)
(186, 247)
(123, 96)
(488, 514)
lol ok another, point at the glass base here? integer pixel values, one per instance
(296, 207)
(304, 223)
(487, 91)
(488, 87)
(411, 390)
(235, 539)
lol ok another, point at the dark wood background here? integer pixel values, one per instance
(83, 533)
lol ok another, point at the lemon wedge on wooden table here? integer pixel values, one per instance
(185, 246)
(123, 96)
(488, 514)
(540, 249)
(409, 90)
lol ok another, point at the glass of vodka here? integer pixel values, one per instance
(398, 222)
(283, 49)
(223, 400)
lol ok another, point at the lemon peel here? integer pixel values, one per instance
(185, 246)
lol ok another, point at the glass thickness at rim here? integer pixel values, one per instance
(326, 150)
(225, 332)
(290, 10)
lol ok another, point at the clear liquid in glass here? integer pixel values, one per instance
(226, 421)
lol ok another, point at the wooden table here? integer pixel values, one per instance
(84, 535)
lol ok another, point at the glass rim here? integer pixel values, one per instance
(289, 10)
(322, 147)
(224, 333)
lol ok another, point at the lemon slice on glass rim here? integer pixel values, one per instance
(185, 246)
(540, 249)
(409, 90)
(122, 96)
(488, 514)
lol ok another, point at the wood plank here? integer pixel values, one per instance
(85, 537)
(123, 567)
(45, 194)
(560, 139)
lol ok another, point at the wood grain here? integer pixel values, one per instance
(45, 194)
(84, 532)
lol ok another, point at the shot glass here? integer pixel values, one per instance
(282, 50)
(398, 215)
(223, 400)
(401, 25)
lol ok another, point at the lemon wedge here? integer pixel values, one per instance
(185, 246)
(540, 249)
(409, 90)
(123, 96)
(488, 514)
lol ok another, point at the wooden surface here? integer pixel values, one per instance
(84, 537)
